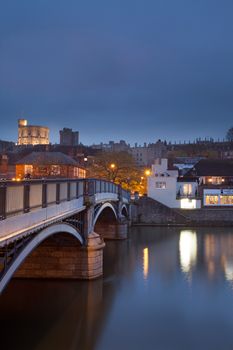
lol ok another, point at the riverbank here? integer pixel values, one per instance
(147, 211)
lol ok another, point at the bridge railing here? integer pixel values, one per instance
(24, 196)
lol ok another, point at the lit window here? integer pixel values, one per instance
(216, 180)
(55, 170)
(187, 189)
(28, 169)
(160, 184)
(226, 200)
(211, 200)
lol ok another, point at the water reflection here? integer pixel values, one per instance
(145, 263)
(121, 311)
(188, 250)
(218, 255)
(228, 265)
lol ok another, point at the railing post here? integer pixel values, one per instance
(86, 187)
(77, 189)
(58, 193)
(44, 195)
(68, 191)
(26, 197)
(3, 201)
(120, 192)
(91, 187)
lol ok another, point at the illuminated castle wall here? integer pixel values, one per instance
(32, 134)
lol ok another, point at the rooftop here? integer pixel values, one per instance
(47, 158)
(212, 167)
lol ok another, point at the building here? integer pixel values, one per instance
(32, 134)
(165, 186)
(215, 178)
(112, 146)
(69, 137)
(6, 146)
(145, 155)
(208, 184)
(184, 164)
(3, 166)
(47, 165)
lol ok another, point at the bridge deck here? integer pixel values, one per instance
(27, 206)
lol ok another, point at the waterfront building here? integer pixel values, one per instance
(49, 165)
(32, 134)
(215, 178)
(208, 184)
(165, 186)
(68, 137)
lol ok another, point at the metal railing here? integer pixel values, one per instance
(187, 195)
(24, 196)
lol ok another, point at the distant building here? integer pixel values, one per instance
(145, 155)
(112, 146)
(69, 137)
(6, 146)
(32, 134)
(3, 166)
(47, 165)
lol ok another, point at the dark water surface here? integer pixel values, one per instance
(163, 289)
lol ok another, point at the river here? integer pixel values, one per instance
(163, 289)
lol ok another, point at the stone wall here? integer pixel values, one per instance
(148, 211)
(209, 216)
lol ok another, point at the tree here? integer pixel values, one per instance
(118, 167)
(229, 135)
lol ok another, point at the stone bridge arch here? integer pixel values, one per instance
(105, 212)
(108, 222)
(124, 211)
(69, 259)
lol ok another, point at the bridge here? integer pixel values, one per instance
(56, 228)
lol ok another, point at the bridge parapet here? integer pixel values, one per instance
(26, 205)
(24, 196)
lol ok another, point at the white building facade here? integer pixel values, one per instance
(164, 186)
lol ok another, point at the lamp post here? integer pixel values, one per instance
(147, 173)
(111, 173)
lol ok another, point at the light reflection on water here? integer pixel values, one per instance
(145, 262)
(121, 311)
(188, 249)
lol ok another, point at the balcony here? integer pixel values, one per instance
(188, 196)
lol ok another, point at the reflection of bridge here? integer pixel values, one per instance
(82, 212)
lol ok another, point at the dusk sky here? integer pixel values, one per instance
(137, 70)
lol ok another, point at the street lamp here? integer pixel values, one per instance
(112, 171)
(147, 172)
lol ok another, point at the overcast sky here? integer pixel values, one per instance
(127, 69)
